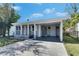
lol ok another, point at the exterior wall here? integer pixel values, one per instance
(44, 30)
(77, 27)
(12, 31)
(22, 31)
(52, 31)
(49, 32)
(39, 33)
(17, 32)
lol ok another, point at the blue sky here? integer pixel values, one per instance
(40, 11)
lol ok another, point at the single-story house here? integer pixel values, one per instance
(38, 28)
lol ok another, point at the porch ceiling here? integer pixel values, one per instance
(51, 24)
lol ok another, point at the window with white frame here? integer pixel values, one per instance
(18, 28)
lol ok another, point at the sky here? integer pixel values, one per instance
(36, 11)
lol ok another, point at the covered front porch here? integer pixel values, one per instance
(52, 29)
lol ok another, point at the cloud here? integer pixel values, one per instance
(47, 13)
(17, 8)
(36, 15)
(38, 3)
(53, 11)
(49, 10)
(61, 14)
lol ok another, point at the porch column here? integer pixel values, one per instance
(61, 31)
(28, 30)
(15, 31)
(21, 30)
(35, 29)
(39, 30)
(31, 28)
(25, 31)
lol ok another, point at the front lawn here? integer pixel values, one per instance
(72, 45)
(6, 41)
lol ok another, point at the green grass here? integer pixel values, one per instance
(6, 41)
(72, 49)
(72, 45)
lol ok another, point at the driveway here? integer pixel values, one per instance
(34, 48)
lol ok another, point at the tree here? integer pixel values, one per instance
(72, 9)
(8, 16)
(13, 19)
(4, 17)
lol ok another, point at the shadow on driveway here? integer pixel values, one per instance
(49, 39)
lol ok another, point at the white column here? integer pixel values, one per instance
(35, 29)
(21, 30)
(39, 30)
(31, 29)
(28, 30)
(25, 31)
(61, 31)
(15, 32)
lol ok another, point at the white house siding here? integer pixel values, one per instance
(48, 32)
(12, 30)
(51, 31)
(77, 27)
(44, 30)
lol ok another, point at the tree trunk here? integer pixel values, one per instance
(4, 32)
(4, 29)
(8, 32)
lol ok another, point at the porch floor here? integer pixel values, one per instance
(48, 38)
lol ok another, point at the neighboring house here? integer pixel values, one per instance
(38, 28)
(77, 27)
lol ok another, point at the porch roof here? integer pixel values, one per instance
(43, 21)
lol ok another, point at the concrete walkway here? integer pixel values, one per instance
(33, 48)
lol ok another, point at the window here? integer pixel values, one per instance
(16, 27)
(23, 27)
(23, 30)
(57, 27)
(18, 30)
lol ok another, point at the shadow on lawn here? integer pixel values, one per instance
(71, 39)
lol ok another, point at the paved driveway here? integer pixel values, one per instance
(33, 48)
